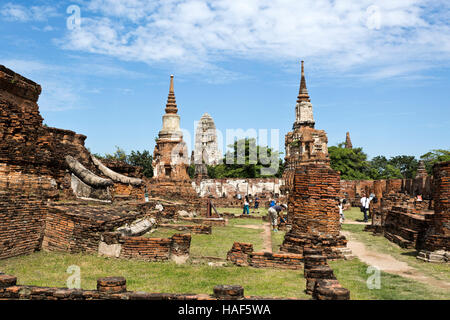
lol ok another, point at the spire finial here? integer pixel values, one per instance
(303, 92)
(348, 141)
(171, 106)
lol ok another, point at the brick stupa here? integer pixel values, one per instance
(170, 160)
(313, 187)
(348, 141)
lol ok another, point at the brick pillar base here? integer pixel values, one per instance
(228, 292)
(112, 285)
(331, 246)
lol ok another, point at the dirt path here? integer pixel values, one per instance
(389, 264)
(267, 236)
(356, 222)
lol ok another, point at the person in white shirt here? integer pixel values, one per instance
(365, 202)
(341, 210)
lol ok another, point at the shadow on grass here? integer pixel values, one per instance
(410, 253)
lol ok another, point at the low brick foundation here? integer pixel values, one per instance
(242, 254)
(403, 228)
(198, 229)
(148, 249)
(114, 288)
(218, 222)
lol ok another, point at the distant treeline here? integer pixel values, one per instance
(352, 163)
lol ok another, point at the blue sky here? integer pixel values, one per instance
(378, 69)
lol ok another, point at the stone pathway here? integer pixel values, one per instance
(267, 236)
(389, 264)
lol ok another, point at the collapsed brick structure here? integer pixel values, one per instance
(313, 187)
(38, 164)
(436, 244)
(406, 210)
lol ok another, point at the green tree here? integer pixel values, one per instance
(382, 168)
(119, 154)
(434, 156)
(247, 161)
(191, 171)
(142, 159)
(406, 164)
(352, 163)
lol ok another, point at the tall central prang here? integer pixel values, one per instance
(170, 157)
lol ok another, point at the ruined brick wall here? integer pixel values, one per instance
(22, 209)
(179, 195)
(21, 223)
(79, 228)
(24, 141)
(438, 234)
(405, 228)
(353, 189)
(229, 188)
(155, 249)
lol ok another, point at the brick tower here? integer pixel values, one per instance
(303, 144)
(313, 188)
(170, 157)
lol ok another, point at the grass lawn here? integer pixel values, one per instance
(352, 275)
(221, 240)
(354, 214)
(381, 244)
(277, 240)
(238, 211)
(392, 286)
(49, 269)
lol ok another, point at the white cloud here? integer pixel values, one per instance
(382, 38)
(64, 86)
(15, 12)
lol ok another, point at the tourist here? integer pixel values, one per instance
(246, 205)
(272, 203)
(341, 210)
(365, 202)
(256, 204)
(274, 212)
